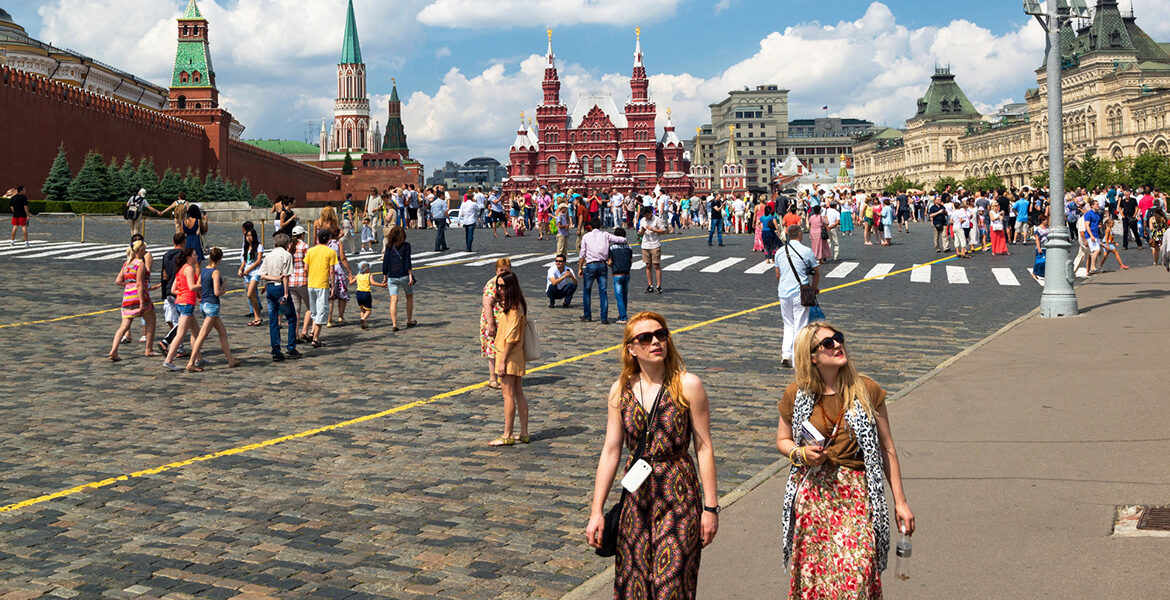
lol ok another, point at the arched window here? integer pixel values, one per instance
(348, 138)
(609, 164)
(585, 165)
(198, 105)
(361, 136)
(552, 165)
(185, 32)
(597, 164)
(182, 102)
(196, 77)
(183, 77)
(641, 163)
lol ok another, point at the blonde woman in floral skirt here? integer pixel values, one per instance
(835, 521)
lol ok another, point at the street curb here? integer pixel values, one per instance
(604, 578)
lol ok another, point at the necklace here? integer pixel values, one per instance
(642, 401)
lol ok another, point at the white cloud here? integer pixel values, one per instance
(722, 5)
(871, 67)
(443, 52)
(522, 13)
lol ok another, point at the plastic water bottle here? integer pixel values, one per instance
(902, 562)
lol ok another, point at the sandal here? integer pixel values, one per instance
(254, 323)
(523, 439)
(503, 441)
(113, 358)
(494, 385)
(411, 323)
(235, 362)
(395, 328)
(194, 369)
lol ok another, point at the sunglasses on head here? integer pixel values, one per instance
(645, 338)
(837, 339)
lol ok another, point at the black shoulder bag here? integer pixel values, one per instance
(614, 516)
(808, 294)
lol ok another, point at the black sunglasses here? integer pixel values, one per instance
(644, 338)
(837, 339)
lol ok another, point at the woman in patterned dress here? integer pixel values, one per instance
(835, 522)
(489, 315)
(134, 277)
(1156, 224)
(667, 521)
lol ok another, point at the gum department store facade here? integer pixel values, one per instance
(1116, 83)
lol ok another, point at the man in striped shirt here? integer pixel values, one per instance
(299, 282)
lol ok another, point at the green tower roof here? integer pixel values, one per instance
(394, 93)
(351, 50)
(192, 11)
(945, 101)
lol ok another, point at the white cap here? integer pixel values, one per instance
(142, 192)
(298, 230)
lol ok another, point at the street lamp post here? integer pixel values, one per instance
(1059, 298)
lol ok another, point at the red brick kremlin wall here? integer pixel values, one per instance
(37, 115)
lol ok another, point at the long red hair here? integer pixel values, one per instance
(675, 367)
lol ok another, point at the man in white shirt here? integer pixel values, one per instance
(561, 283)
(616, 201)
(481, 200)
(832, 225)
(788, 282)
(737, 208)
(469, 215)
(650, 227)
(374, 209)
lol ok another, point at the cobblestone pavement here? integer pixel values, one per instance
(412, 504)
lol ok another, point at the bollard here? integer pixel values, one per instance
(262, 238)
(312, 234)
(83, 228)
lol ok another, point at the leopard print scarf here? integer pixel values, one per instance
(865, 431)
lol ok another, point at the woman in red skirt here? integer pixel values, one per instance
(835, 521)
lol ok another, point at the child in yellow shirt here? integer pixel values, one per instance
(363, 280)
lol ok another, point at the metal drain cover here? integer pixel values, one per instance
(1154, 518)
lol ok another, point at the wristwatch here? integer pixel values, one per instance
(713, 509)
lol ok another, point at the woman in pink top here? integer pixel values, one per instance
(186, 289)
(134, 277)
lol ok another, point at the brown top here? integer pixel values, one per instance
(843, 449)
(510, 328)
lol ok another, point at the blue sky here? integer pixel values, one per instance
(466, 68)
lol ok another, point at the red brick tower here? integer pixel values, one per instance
(193, 80)
(552, 117)
(639, 143)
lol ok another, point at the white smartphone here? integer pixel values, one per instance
(636, 475)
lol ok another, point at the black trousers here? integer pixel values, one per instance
(1130, 224)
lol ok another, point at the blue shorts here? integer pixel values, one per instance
(365, 299)
(399, 285)
(186, 310)
(253, 276)
(209, 309)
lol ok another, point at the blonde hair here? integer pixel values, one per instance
(850, 387)
(673, 362)
(329, 219)
(503, 264)
(135, 247)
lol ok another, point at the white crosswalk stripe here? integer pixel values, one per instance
(445, 257)
(639, 265)
(488, 261)
(458, 261)
(1005, 276)
(842, 270)
(879, 271)
(105, 250)
(920, 274)
(22, 249)
(684, 263)
(723, 264)
(762, 267)
(42, 252)
(956, 274)
(571, 258)
(119, 252)
(517, 263)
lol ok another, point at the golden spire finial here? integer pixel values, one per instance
(668, 112)
(393, 81)
(698, 130)
(638, 32)
(731, 127)
(549, 32)
(521, 117)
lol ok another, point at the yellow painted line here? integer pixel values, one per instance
(390, 411)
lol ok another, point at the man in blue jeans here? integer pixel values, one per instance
(594, 266)
(716, 208)
(621, 258)
(276, 270)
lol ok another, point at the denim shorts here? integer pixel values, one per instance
(365, 299)
(399, 285)
(186, 310)
(209, 309)
(253, 276)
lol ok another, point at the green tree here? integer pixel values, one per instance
(147, 176)
(970, 183)
(193, 186)
(944, 182)
(92, 182)
(129, 176)
(117, 184)
(244, 191)
(170, 185)
(347, 166)
(900, 183)
(56, 185)
(1121, 173)
(214, 189)
(261, 201)
(1040, 179)
(990, 183)
(1149, 170)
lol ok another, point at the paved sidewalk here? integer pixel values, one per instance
(1015, 457)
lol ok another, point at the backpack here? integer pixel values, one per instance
(133, 208)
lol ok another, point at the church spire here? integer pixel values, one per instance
(351, 50)
(552, 81)
(732, 159)
(193, 78)
(395, 137)
(639, 84)
(192, 11)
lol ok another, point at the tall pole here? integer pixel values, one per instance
(1059, 298)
